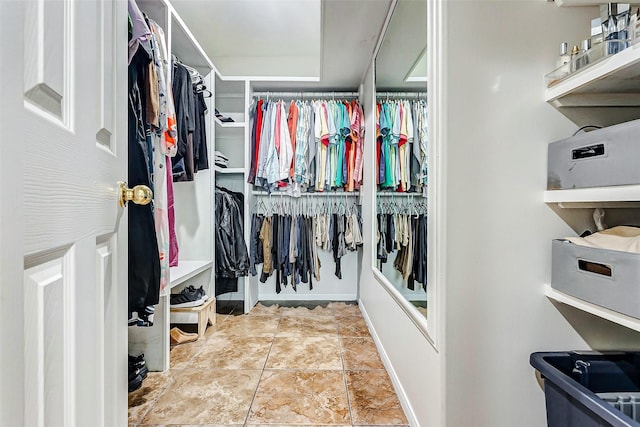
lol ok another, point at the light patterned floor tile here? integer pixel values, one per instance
(321, 352)
(248, 326)
(152, 388)
(305, 311)
(373, 399)
(206, 397)
(342, 309)
(181, 354)
(307, 326)
(231, 352)
(297, 425)
(360, 353)
(300, 397)
(265, 310)
(219, 380)
(352, 327)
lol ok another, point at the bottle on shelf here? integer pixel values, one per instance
(575, 51)
(596, 31)
(615, 22)
(634, 26)
(582, 58)
(564, 57)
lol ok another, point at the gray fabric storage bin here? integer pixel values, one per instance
(603, 277)
(600, 158)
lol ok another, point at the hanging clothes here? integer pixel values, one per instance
(190, 109)
(201, 158)
(402, 145)
(286, 244)
(183, 166)
(405, 233)
(162, 149)
(144, 258)
(160, 129)
(232, 258)
(306, 146)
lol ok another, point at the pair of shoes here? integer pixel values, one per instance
(145, 318)
(133, 318)
(223, 118)
(138, 365)
(135, 381)
(177, 336)
(137, 371)
(188, 297)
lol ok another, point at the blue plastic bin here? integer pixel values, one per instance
(590, 389)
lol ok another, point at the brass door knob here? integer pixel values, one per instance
(140, 194)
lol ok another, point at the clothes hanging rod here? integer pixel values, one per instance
(316, 194)
(401, 94)
(303, 94)
(394, 194)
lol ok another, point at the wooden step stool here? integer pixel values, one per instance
(206, 314)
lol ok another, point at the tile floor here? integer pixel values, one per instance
(277, 365)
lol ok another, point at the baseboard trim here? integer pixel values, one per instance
(306, 297)
(402, 395)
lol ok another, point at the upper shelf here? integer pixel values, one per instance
(614, 196)
(578, 2)
(181, 41)
(596, 310)
(186, 47)
(228, 124)
(186, 270)
(605, 93)
(230, 171)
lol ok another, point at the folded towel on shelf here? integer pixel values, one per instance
(219, 155)
(220, 160)
(621, 238)
(223, 118)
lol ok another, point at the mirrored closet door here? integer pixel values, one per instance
(401, 161)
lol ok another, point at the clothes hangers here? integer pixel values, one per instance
(201, 88)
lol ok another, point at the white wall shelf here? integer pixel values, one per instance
(622, 196)
(605, 93)
(185, 270)
(229, 170)
(596, 310)
(564, 3)
(230, 140)
(228, 124)
(185, 46)
(180, 39)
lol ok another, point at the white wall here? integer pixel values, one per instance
(499, 230)
(411, 360)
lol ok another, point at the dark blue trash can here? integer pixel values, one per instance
(590, 389)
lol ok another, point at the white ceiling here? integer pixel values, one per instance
(330, 41)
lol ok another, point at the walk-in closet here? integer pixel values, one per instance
(264, 239)
(318, 212)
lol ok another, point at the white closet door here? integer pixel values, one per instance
(63, 258)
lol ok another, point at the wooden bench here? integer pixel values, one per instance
(206, 314)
